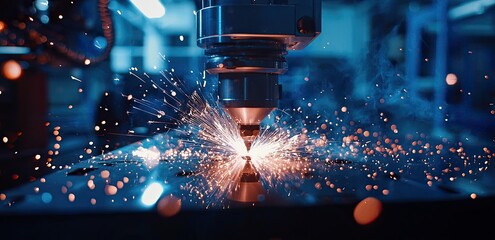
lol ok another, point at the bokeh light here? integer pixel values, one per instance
(12, 70)
(451, 79)
(367, 210)
(169, 206)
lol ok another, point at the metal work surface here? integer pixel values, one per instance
(156, 187)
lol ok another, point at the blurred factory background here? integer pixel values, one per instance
(64, 65)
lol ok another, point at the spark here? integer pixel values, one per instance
(150, 156)
(276, 155)
(75, 78)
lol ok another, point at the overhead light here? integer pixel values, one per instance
(14, 50)
(150, 8)
(470, 9)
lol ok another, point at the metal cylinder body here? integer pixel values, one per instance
(245, 43)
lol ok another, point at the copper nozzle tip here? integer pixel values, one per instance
(248, 186)
(249, 133)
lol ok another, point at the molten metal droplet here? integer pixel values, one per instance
(105, 174)
(367, 210)
(110, 190)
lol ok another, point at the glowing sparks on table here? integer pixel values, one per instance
(195, 152)
(208, 134)
(289, 149)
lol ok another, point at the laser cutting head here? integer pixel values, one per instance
(245, 43)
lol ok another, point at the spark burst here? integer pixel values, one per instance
(322, 145)
(275, 153)
(210, 133)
